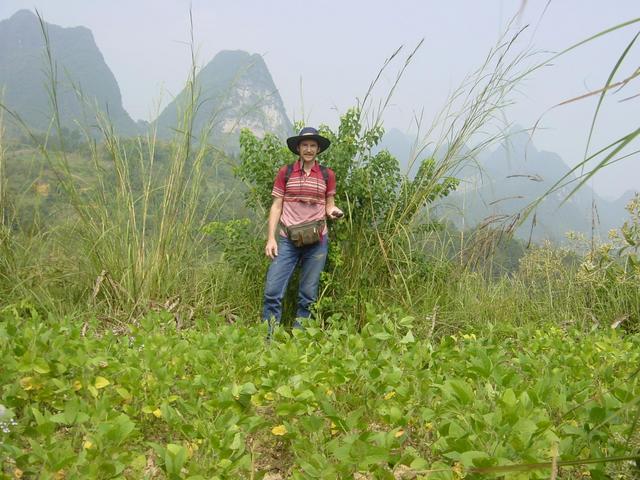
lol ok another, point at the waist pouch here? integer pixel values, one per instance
(305, 233)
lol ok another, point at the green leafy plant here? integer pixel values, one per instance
(377, 198)
(216, 403)
(610, 273)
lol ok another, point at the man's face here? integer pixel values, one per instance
(308, 149)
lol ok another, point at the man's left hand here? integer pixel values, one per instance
(335, 213)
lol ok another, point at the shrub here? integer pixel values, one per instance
(372, 252)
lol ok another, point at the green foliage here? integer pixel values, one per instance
(488, 372)
(215, 401)
(259, 163)
(69, 140)
(610, 273)
(384, 210)
(240, 245)
(369, 185)
(122, 215)
(545, 268)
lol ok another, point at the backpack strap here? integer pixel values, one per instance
(287, 175)
(325, 174)
(323, 169)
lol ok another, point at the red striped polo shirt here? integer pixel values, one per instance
(305, 196)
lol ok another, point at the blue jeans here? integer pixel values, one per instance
(311, 259)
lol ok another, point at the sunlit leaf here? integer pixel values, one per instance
(124, 393)
(27, 383)
(101, 382)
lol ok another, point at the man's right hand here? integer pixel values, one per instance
(272, 248)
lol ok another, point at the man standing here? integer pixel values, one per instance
(303, 197)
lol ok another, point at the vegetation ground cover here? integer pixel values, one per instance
(217, 401)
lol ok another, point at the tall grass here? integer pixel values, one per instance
(621, 149)
(397, 257)
(132, 238)
(133, 242)
(3, 174)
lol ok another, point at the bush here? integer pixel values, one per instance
(373, 252)
(610, 273)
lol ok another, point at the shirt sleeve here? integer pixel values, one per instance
(278, 185)
(331, 183)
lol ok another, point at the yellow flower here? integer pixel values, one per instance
(280, 430)
(27, 384)
(17, 473)
(157, 413)
(77, 385)
(390, 395)
(87, 445)
(458, 470)
(329, 392)
(191, 449)
(399, 433)
(42, 188)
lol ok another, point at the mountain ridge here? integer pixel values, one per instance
(85, 86)
(512, 176)
(236, 88)
(236, 91)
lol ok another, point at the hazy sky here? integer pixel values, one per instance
(334, 49)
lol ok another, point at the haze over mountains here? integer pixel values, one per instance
(511, 176)
(237, 91)
(79, 68)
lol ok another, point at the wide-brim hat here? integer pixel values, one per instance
(308, 133)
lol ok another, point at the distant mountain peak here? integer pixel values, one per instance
(514, 175)
(80, 68)
(23, 15)
(235, 55)
(236, 91)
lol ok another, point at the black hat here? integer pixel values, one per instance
(308, 133)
